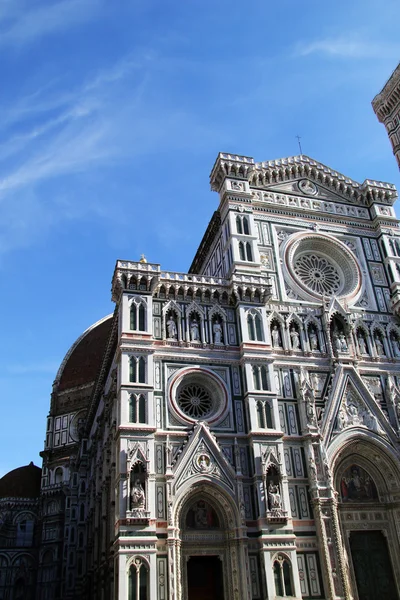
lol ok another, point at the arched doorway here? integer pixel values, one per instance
(210, 556)
(365, 480)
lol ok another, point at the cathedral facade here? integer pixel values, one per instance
(232, 432)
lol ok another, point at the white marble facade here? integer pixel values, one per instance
(245, 423)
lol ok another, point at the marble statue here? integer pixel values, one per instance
(361, 344)
(171, 328)
(312, 336)
(138, 497)
(217, 331)
(295, 339)
(276, 338)
(274, 496)
(194, 331)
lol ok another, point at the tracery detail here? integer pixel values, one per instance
(195, 401)
(318, 274)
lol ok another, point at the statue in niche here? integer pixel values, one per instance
(217, 331)
(335, 340)
(194, 330)
(274, 496)
(343, 342)
(138, 497)
(295, 339)
(379, 346)
(171, 328)
(313, 337)
(276, 337)
(361, 343)
(395, 347)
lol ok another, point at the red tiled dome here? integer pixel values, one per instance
(82, 362)
(23, 482)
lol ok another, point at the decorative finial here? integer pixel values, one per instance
(143, 259)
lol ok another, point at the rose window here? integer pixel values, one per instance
(197, 394)
(318, 274)
(195, 401)
(316, 265)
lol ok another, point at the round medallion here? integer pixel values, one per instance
(307, 187)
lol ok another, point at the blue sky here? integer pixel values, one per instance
(112, 114)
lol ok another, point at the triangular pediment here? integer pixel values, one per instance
(202, 460)
(351, 405)
(307, 188)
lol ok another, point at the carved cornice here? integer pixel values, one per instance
(387, 99)
(292, 168)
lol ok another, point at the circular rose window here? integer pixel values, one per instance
(197, 394)
(317, 265)
(195, 401)
(318, 273)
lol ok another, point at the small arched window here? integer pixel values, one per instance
(142, 370)
(283, 577)
(264, 414)
(246, 230)
(137, 369)
(260, 378)
(239, 225)
(241, 251)
(250, 327)
(142, 317)
(257, 321)
(138, 316)
(249, 254)
(138, 580)
(137, 408)
(254, 326)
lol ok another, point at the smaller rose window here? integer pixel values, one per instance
(318, 274)
(195, 401)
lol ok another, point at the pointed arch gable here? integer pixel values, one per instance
(188, 470)
(335, 308)
(393, 328)
(217, 310)
(194, 307)
(293, 317)
(378, 327)
(172, 305)
(311, 320)
(136, 454)
(360, 324)
(275, 316)
(343, 377)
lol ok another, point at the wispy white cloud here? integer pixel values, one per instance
(22, 22)
(348, 47)
(112, 118)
